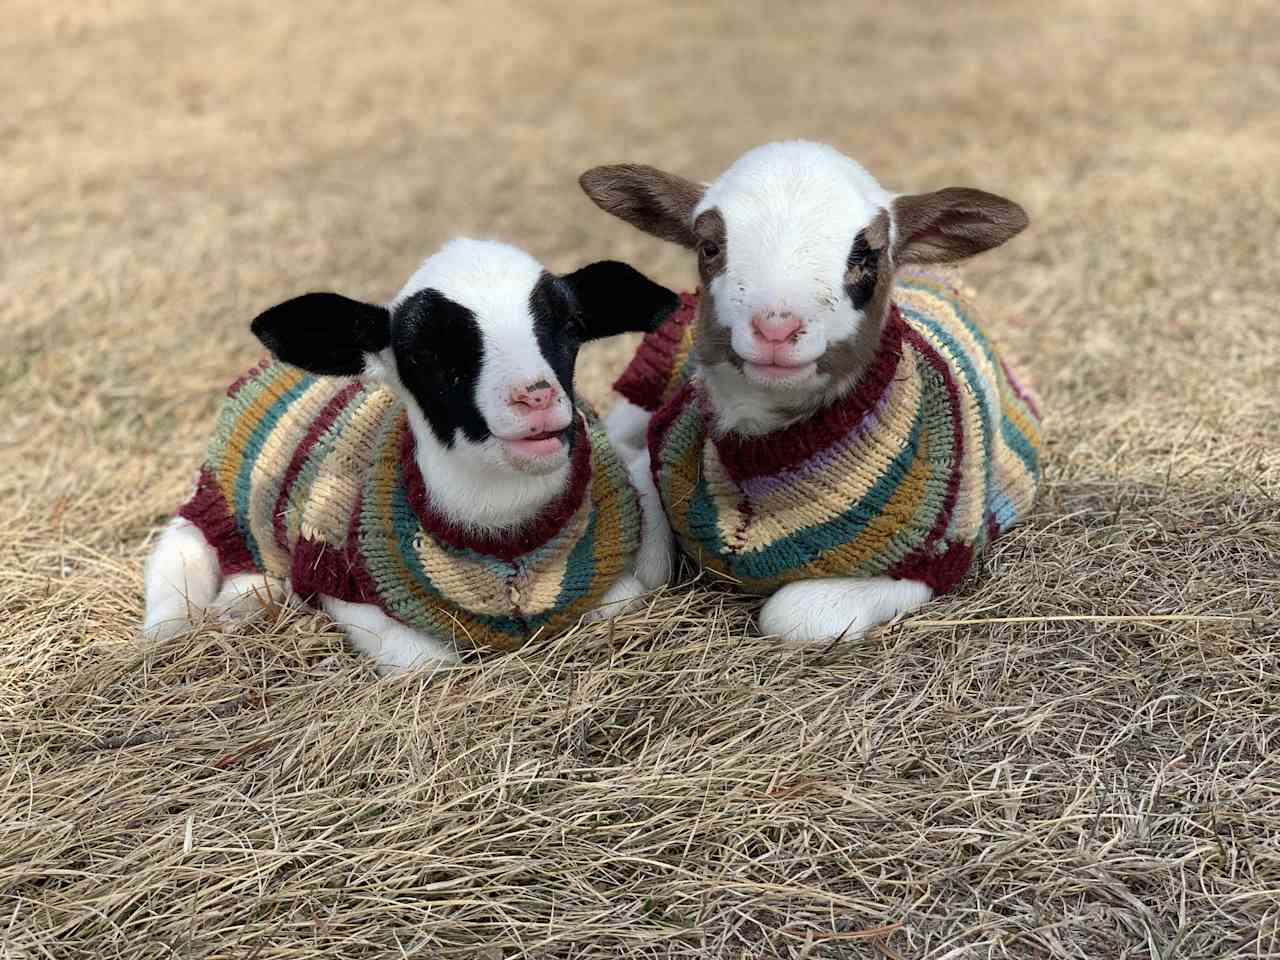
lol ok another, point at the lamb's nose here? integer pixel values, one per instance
(536, 396)
(775, 327)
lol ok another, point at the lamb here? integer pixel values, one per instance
(827, 421)
(421, 470)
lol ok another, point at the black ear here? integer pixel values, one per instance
(616, 298)
(324, 333)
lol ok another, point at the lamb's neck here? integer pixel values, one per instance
(481, 500)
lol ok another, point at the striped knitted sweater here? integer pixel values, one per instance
(933, 453)
(314, 478)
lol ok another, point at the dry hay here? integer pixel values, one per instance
(1076, 756)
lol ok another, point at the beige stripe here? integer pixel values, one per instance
(331, 500)
(280, 382)
(539, 592)
(272, 462)
(466, 583)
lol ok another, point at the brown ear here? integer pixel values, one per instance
(952, 224)
(657, 202)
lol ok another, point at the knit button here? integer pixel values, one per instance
(513, 594)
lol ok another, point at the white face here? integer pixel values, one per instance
(791, 214)
(494, 331)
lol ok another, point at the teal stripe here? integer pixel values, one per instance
(1001, 509)
(1020, 445)
(405, 525)
(806, 545)
(955, 357)
(261, 430)
(581, 574)
(958, 307)
(233, 409)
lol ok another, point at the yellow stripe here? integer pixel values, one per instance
(272, 462)
(238, 439)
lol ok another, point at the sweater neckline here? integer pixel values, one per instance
(505, 545)
(784, 449)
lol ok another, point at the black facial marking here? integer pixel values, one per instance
(439, 351)
(862, 271)
(558, 326)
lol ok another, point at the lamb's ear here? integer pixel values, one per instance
(616, 298)
(657, 202)
(324, 333)
(952, 224)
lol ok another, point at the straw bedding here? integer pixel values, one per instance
(1075, 755)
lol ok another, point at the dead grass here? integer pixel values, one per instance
(1076, 756)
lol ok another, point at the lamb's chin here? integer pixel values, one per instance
(782, 379)
(536, 463)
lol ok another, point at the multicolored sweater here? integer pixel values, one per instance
(930, 456)
(314, 478)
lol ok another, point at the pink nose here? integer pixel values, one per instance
(536, 396)
(775, 327)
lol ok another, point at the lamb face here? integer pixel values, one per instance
(796, 247)
(784, 255)
(483, 344)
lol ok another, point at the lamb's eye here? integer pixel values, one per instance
(710, 249)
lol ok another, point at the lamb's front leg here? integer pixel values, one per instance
(394, 647)
(839, 607)
(626, 427)
(655, 559)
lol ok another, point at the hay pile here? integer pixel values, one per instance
(1076, 756)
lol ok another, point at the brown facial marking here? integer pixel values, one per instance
(712, 342)
(870, 260)
(712, 245)
(650, 199)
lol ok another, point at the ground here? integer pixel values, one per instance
(1077, 755)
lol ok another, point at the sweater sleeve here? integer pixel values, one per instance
(663, 361)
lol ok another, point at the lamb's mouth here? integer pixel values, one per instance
(538, 445)
(778, 375)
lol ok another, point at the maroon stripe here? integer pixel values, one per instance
(317, 427)
(321, 568)
(660, 425)
(940, 571)
(645, 379)
(773, 453)
(208, 512)
(1018, 392)
(263, 364)
(510, 544)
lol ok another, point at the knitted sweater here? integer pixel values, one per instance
(930, 456)
(314, 478)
